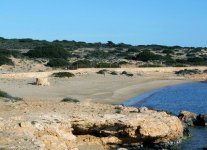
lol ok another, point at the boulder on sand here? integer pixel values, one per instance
(42, 82)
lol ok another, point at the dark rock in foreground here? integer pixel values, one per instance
(190, 119)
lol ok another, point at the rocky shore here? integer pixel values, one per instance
(60, 125)
(191, 119)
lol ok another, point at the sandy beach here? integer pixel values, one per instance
(89, 86)
(44, 121)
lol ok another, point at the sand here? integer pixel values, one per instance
(86, 86)
(89, 86)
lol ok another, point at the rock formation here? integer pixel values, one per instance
(188, 118)
(42, 82)
(192, 119)
(50, 125)
(149, 127)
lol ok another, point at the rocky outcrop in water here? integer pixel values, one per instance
(149, 127)
(192, 119)
(188, 118)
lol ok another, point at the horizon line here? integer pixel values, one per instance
(102, 42)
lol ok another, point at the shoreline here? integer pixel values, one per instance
(153, 85)
(139, 99)
(100, 97)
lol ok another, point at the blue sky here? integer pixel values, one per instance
(167, 22)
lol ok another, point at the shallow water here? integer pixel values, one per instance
(190, 96)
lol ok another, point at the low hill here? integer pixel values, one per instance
(82, 54)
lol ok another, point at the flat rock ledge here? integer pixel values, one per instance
(60, 126)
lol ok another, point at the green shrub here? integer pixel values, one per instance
(103, 71)
(169, 60)
(168, 51)
(188, 72)
(127, 74)
(179, 54)
(5, 61)
(107, 65)
(63, 74)
(150, 65)
(5, 54)
(4, 94)
(70, 100)
(196, 61)
(99, 54)
(11, 98)
(57, 62)
(181, 61)
(133, 50)
(147, 56)
(8, 53)
(83, 64)
(113, 73)
(178, 65)
(52, 51)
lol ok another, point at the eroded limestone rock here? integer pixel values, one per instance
(152, 126)
(42, 82)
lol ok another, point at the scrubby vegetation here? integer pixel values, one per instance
(5, 56)
(188, 72)
(5, 61)
(113, 73)
(101, 55)
(52, 51)
(107, 65)
(9, 97)
(147, 56)
(63, 75)
(103, 71)
(150, 65)
(127, 74)
(70, 100)
(58, 62)
(83, 64)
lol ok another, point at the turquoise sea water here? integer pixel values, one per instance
(190, 96)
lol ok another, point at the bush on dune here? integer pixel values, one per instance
(188, 72)
(107, 65)
(113, 73)
(9, 97)
(147, 56)
(8, 53)
(127, 74)
(5, 54)
(63, 74)
(51, 51)
(57, 62)
(103, 71)
(70, 100)
(5, 61)
(83, 64)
